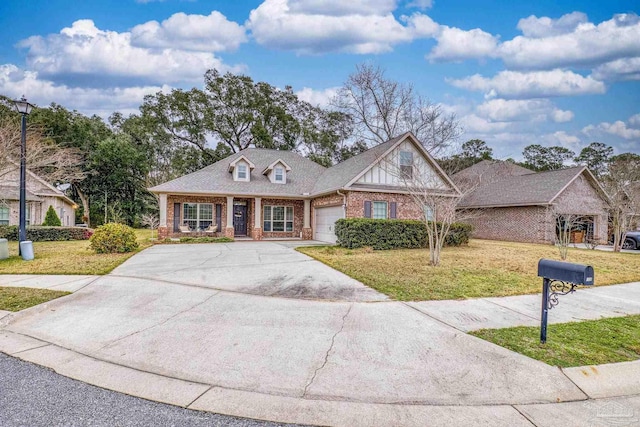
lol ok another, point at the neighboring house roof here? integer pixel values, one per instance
(13, 193)
(305, 177)
(528, 189)
(487, 171)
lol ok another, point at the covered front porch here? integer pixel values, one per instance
(256, 218)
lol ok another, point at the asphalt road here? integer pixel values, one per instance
(33, 396)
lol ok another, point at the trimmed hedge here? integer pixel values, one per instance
(46, 234)
(394, 234)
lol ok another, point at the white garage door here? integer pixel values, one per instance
(326, 222)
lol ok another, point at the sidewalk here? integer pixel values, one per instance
(323, 362)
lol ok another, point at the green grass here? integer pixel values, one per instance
(591, 342)
(16, 299)
(73, 257)
(484, 268)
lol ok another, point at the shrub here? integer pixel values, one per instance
(394, 234)
(51, 219)
(46, 234)
(113, 238)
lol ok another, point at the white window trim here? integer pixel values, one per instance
(271, 220)
(409, 173)
(246, 172)
(386, 209)
(198, 219)
(283, 174)
(8, 210)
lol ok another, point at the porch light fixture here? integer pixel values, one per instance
(23, 107)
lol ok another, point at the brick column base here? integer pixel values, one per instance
(229, 232)
(257, 233)
(163, 232)
(307, 234)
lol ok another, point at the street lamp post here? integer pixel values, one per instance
(23, 107)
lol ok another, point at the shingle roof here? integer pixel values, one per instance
(13, 193)
(217, 179)
(521, 190)
(488, 171)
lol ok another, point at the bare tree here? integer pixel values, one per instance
(565, 224)
(383, 108)
(622, 183)
(151, 221)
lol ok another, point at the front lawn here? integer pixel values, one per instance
(16, 299)
(72, 257)
(592, 342)
(484, 268)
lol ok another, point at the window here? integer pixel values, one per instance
(279, 173)
(278, 218)
(27, 214)
(197, 216)
(379, 210)
(242, 171)
(406, 164)
(4, 215)
(428, 213)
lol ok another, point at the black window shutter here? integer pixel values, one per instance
(367, 209)
(219, 216)
(393, 207)
(176, 217)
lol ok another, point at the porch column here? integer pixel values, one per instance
(307, 233)
(163, 210)
(229, 231)
(257, 219)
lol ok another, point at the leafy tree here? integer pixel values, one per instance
(539, 158)
(383, 108)
(472, 152)
(596, 157)
(51, 218)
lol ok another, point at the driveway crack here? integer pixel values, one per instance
(326, 356)
(158, 324)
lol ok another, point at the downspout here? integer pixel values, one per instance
(344, 202)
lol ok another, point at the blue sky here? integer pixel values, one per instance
(515, 73)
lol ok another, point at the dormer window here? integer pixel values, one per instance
(242, 172)
(279, 174)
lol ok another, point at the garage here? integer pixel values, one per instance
(325, 221)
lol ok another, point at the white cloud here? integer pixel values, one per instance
(587, 45)
(502, 110)
(421, 4)
(619, 128)
(315, 26)
(635, 120)
(563, 139)
(535, 27)
(538, 84)
(455, 44)
(212, 33)
(320, 98)
(620, 69)
(15, 82)
(473, 123)
(84, 50)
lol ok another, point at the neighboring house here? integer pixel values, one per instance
(40, 195)
(262, 193)
(515, 204)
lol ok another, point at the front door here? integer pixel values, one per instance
(240, 220)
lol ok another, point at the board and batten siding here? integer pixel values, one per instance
(386, 171)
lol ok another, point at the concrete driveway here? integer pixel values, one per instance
(260, 268)
(260, 331)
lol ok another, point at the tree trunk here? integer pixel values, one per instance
(85, 205)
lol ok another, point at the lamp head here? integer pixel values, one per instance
(23, 106)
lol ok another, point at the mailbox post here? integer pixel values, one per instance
(559, 278)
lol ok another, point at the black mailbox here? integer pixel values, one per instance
(565, 271)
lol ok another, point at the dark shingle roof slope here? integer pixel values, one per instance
(521, 190)
(217, 179)
(489, 170)
(341, 174)
(13, 193)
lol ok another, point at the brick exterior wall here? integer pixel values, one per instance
(516, 224)
(164, 232)
(536, 224)
(406, 208)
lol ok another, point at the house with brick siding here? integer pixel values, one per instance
(271, 194)
(515, 204)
